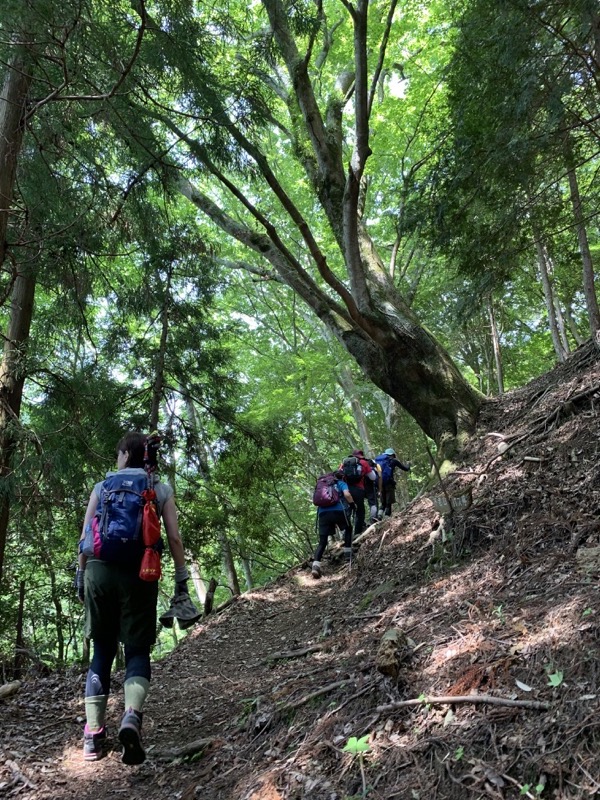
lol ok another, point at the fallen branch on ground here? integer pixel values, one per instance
(313, 648)
(186, 750)
(469, 698)
(308, 697)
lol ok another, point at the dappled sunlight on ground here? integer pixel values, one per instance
(258, 702)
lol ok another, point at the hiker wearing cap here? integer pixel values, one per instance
(388, 463)
(119, 594)
(357, 471)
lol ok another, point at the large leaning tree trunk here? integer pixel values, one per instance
(12, 370)
(338, 273)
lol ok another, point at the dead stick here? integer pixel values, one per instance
(294, 653)
(308, 697)
(18, 775)
(469, 698)
(189, 749)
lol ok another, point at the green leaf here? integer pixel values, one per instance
(356, 746)
(555, 679)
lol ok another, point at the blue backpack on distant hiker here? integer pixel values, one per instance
(326, 491)
(387, 472)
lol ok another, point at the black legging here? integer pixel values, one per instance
(388, 497)
(137, 664)
(358, 495)
(328, 521)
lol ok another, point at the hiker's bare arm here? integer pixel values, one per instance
(169, 515)
(348, 497)
(90, 511)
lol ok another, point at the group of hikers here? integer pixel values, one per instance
(340, 498)
(119, 567)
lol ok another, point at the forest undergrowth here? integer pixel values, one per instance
(456, 657)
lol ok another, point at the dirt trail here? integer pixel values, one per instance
(260, 700)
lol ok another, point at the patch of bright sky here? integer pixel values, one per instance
(249, 321)
(397, 86)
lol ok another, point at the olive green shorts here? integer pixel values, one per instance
(119, 605)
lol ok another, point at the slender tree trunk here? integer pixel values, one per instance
(159, 374)
(197, 580)
(229, 564)
(19, 641)
(589, 289)
(13, 369)
(562, 328)
(549, 298)
(496, 347)
(56, 602)
(247, 572)
(579, 339)
(346, 381)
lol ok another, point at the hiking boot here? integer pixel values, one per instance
(130, 736)
(316, 569)
(94, 744)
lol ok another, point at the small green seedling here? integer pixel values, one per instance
(357, 748)
(525, 789)
(555, 678)
(459, 753)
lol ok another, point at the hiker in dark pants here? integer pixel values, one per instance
(388, 462)
(357, 490)
(330, 518)
(373, 490)
(121, 607)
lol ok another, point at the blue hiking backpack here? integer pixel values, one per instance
(115, 532)
(385, 462)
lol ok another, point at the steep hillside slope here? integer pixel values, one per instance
(489, 689)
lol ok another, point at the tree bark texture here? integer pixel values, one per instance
(362, 306)
(229, 564)
(12, 371)
(589, 289)
(549, 297)
(495, 336)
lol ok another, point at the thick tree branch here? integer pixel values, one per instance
(382, 52)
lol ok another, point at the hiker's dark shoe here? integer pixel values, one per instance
(130, 736)
(94, 744)
(316, 569)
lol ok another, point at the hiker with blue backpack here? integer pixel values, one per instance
(117, 580)
(388, 463)
(334, 510)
